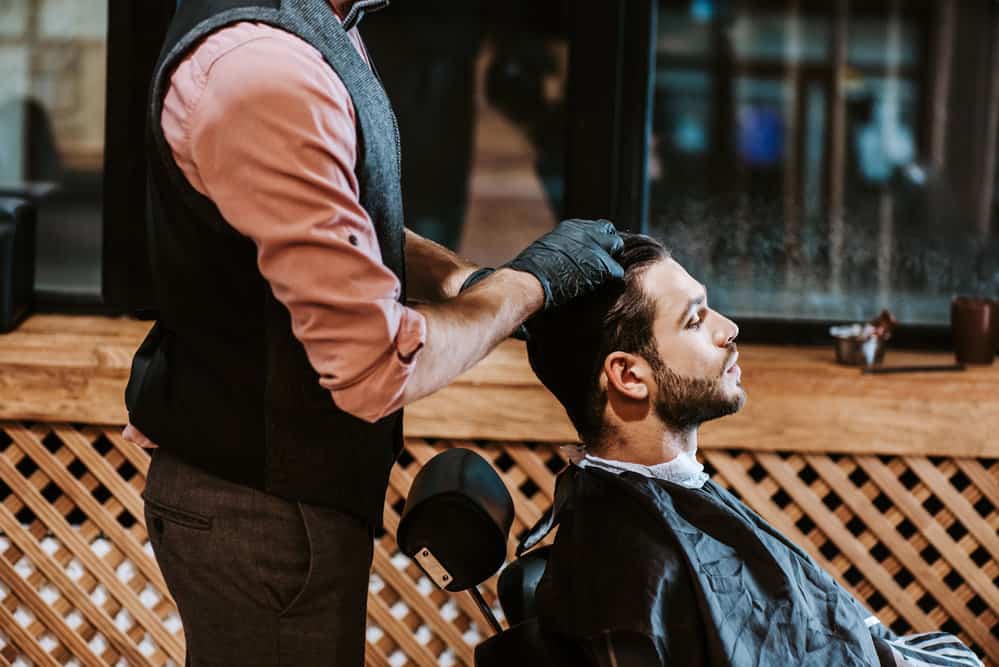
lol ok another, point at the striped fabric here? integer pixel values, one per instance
(927, 649)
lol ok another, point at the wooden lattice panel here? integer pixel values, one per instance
(79, 580)
(914, 538)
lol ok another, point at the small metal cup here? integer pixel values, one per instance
(855, 349)
(860, 352)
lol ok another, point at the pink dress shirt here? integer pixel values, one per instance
(258, 123)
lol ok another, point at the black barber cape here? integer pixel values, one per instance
(680, 576)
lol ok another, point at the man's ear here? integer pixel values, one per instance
(628, 375)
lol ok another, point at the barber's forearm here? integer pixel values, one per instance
(463, 330)
(433, 273)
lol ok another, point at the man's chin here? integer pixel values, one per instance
(735, 393)
(730, 401)
(734, 399)
(739, 398)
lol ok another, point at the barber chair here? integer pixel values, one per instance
(455, 525)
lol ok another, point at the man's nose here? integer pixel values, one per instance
(727, 332)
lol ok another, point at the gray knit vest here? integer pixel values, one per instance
(221, 381)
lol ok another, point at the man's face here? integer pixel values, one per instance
(699, 378)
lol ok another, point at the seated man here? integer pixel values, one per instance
(653, 562)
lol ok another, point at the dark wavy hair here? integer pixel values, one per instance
(567, 345)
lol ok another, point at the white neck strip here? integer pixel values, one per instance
(683, 470)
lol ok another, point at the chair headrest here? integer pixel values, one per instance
(457, 520)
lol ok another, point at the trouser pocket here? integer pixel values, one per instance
(298, 596)
(164, 512)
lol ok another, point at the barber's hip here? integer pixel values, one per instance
(249, 545)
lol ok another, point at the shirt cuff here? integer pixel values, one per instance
(380, 392)
(137, 437)
(412, 335)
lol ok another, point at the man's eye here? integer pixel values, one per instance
(694, 323)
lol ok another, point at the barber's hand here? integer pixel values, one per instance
(520, 333)
(573, 259)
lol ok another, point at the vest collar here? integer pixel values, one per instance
(353, 12)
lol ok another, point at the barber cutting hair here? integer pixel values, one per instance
(271, 386)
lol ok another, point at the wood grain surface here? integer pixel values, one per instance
(74, 369)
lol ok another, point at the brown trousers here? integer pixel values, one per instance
(258, 580)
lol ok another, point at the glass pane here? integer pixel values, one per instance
(771, 36)
(479, 96)
(799, 186)
(52, 92)
(876, 41)
(684, 101)
(683, 32)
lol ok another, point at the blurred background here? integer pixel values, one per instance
(826, 160)
(52, 107)
(811, 162)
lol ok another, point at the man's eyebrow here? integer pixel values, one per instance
(696, 301)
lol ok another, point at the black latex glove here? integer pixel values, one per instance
(520, 333)
(476, 276)
(573, 259)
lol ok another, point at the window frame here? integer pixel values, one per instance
(611, 48)
(630, 41)
(135, 35)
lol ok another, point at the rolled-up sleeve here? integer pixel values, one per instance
(274, 143)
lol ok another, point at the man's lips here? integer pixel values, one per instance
(733, 363)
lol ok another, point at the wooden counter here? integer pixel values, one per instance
(74, 369)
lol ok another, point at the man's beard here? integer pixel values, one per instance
(685, 402)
